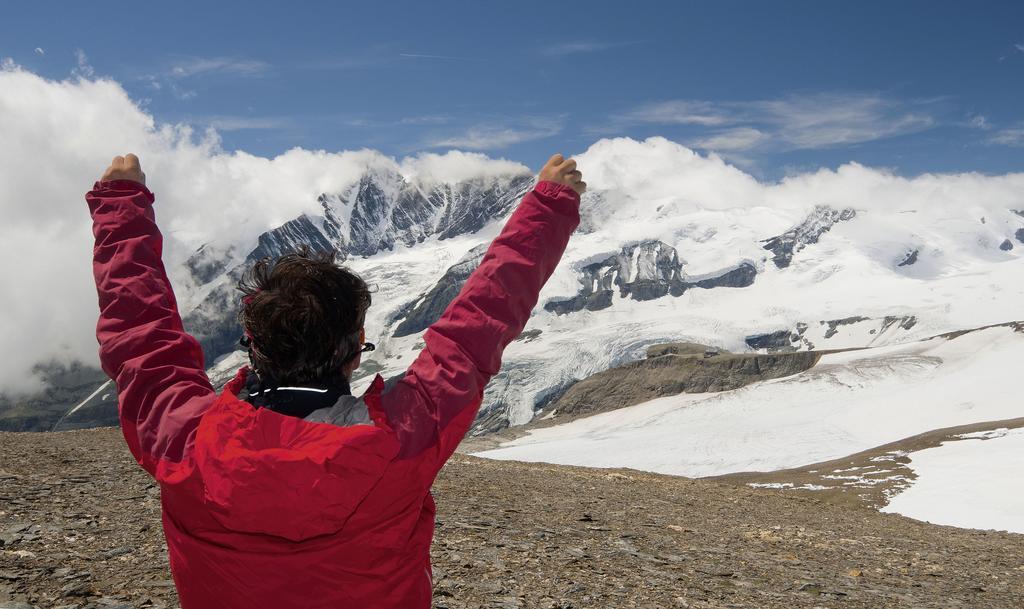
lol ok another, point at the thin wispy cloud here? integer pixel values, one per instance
(740, 138)
(82, 67)
(428, 56)
(979, 121)
(241, 123)
(581, 46)
(1012, 136)
(812, 121)
(498, 134)
(180, 76)
(429, 119)
(40, 51)
(677, 112)
(233, 66)
(1019, 47)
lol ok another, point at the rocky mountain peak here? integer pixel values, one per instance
(821, 220)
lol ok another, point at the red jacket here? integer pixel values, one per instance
(266, 510)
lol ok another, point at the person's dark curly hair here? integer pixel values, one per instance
(302, 314)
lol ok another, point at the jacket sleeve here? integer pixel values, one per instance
(158, 368)
(433, 406)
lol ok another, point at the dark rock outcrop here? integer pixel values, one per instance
(781, 341)
(429, 307)
(910, 259)
(65, 386)
(833, 325)
(468, 206)
(820, 221)
(207, 263)
(673, 369)
(1019, 235)
(290, 236)
(1006, 245)
(643, 271)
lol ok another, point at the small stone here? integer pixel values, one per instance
(115, 552)
(9, 539)
(855, 573)
(76, 589)
(23, 554)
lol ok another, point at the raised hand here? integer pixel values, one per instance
(563, 171)
(125, 167)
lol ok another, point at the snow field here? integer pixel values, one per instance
(976, 482)
(848, 403)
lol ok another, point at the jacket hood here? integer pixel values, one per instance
(268, 473)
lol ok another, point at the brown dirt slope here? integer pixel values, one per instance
(80, 529)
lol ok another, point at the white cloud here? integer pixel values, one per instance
(1019, 47)
(820, 121)
(678, 112)
(979, 121)
(498, 134)
(59, 136)
(240, 123)
(456, 166)
(581, 46)
(428, 56)
(740, 138)
(40, 51)
(82, 68)
(195, 66)
(177, 77)
(795, 122)
(1013, 136)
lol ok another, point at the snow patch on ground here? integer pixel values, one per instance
(975, 482)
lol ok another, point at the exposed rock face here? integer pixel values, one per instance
(833, 325)
(673, 369)
(819, 222)
(1006, 245)
(680, 349)
(910, 259)
(290, 236)
(1019, 235)
(214, 322)
(778, 341)
(796, 339)
(65, 387)
(643, 271)
(207, 263)
(380, 211)
(468, 206)
(431, 305)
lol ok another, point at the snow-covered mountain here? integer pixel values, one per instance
(672, 246)
(380, 212)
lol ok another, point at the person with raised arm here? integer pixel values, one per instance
(286, 491)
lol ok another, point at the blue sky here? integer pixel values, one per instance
(777, 87)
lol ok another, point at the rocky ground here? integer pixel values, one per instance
(79, 528)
